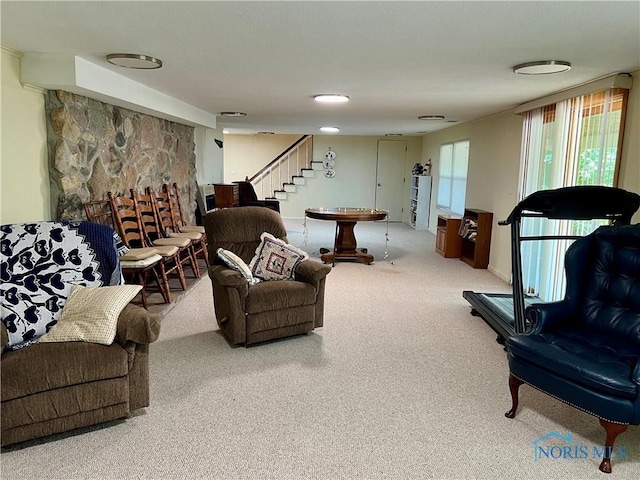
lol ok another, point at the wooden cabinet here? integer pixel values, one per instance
(475, 233)
(448, 242)
(227, 195)
(419, 202)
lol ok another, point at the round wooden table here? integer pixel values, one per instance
(345, 245)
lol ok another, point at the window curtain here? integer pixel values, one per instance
(572, 142)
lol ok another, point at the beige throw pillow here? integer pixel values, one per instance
(90, 314)
(275, 259)
(234, 261)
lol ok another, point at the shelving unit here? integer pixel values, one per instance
(419, 202)
(448, 242)
(475, 233)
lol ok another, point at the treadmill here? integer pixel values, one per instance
(505, 312)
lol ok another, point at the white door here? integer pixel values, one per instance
(390, 177)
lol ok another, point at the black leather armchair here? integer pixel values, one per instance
(585, 349)
(248, 198)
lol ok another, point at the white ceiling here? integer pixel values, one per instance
(396, 60)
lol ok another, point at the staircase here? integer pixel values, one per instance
(285, 173)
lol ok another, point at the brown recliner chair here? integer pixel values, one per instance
(248, 314)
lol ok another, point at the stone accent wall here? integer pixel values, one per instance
(95, 148)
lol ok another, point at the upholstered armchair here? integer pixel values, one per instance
(585, 349)
(252, 313)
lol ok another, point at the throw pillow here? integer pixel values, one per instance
(91, 314)
(234, 261)
(275, 259)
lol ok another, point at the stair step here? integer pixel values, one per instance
(289, 188)
(307, 173)
(280, 194)
(317, 165)
(298, 180)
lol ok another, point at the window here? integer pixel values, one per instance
(576, 141)
(452, 184)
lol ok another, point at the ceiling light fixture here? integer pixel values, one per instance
(266, 133)
(233, 114)
(431, 117)
(134, 60)
(329, 129)
(392, 134)
(331, 98)
(542, 67)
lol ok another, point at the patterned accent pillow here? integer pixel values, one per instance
(275, 259)
(235, 262)
(91, 314)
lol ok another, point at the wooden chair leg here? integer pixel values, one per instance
(164, 283)
(613, 430)
(514, 386)
(142, 280)
(194, 262)
(156, 276)
(183, 281)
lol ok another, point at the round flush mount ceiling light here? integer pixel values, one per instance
(134, 60)
(331, 98)
(431, 117)
(329, 129)
(542, 67)
(233, 114)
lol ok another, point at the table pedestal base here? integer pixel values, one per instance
(345, 246)
(332, 257)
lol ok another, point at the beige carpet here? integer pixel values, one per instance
(400, 383)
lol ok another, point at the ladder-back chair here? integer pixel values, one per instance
(137, 265)
(153, 233)
(132, 233)
(180, 224)
(166, 222)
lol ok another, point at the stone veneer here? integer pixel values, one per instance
(95, 148)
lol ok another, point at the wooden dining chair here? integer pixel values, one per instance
(153, 233)
(130, 229)
(139, 266)
(99, 211)
(180, 224)
(166, 223)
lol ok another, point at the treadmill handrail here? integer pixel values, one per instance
(584, 202)
(567, 203)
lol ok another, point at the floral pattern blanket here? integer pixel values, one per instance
(41, 262)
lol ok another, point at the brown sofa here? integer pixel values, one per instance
(60, 286)
(50, 388)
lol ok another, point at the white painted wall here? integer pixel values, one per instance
(24, 174)
(354, 184)
(494, 162)
(245, 155)
(209, 157)
(630, 166)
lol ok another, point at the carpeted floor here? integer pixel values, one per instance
(400, 383)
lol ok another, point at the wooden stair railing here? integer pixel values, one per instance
(289, 165)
